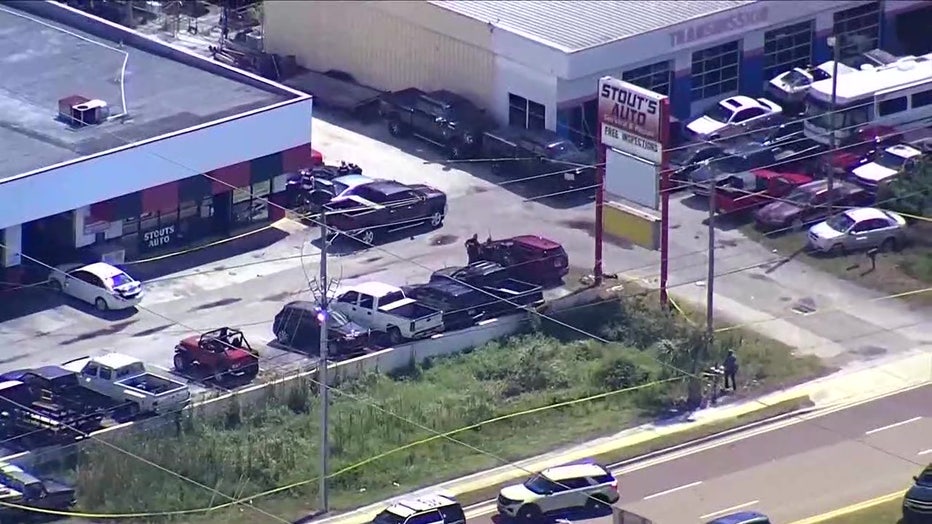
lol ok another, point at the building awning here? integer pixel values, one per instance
(298, 158)
(160, 198)
(227, 178)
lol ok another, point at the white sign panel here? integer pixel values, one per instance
(633, 119)
(630, 179)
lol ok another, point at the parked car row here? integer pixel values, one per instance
(500, 277)
(463, 130)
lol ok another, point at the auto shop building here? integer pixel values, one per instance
(537, 63)
(108, 135)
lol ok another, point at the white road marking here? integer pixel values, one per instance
(926, 452)
(891, 426)
(728, 510)
(673, 490)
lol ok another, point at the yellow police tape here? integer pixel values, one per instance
(249, 499)
(680, 310)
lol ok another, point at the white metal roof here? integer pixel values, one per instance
(865, 213)
(578, 25)
(115, 360)
(376, 289)
(573, 471)
(863, 83)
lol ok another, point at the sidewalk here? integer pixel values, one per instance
(849, 386)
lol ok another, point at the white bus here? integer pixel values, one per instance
(898, 94)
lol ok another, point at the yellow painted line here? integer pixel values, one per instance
(854, 508)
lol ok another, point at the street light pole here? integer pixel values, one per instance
(322, 368)
(833, 139)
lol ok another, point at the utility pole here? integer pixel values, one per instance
(710, 278)
(599, 205)
(833, 144)
(322, 366)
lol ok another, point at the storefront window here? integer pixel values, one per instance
(207, 207)
(787, 47)
(654, 77)
(857, 29)
(130, 225)
(168, 217)
(187, 210)
(715, 71)
(260, 193)
(241, 195)
(148, 221)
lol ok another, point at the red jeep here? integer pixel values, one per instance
(756, 188)
(529, 258)
(223, 353)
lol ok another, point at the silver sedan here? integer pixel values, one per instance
(862, 228)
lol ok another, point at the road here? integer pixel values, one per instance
(797, 471)
(247, 289)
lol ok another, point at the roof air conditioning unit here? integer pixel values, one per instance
(80, 111)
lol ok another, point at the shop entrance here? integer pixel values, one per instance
(912, 30)
(222, 213)
(49, 240)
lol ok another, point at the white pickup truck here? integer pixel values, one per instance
(383, 307)
(125, 379)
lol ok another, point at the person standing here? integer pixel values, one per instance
(731, 370)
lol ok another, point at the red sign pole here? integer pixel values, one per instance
(664, 201)
(599, 201)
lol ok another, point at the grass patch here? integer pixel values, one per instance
(245, 452)
(897, 272)
(890, 512)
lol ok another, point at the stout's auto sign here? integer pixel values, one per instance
(633, 119)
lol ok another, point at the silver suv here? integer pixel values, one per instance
(559, 488)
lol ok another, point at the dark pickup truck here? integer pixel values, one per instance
(442, 118)
(385, 206)
(464, 305)
(32, 418)
(26, 490)
(530, 152)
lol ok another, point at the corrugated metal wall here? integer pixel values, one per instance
(388, 45)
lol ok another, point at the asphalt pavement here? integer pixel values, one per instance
(248, 289)
(790, 473)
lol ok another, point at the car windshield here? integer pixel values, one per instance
(562, 147)
(541, 485)
(796, 79)
(338, 319)
(731, 164)
(121, 279)
(719, 113)
(890, 161)
(338, 187)
(387, 517)
(799, 196)
(841, 223)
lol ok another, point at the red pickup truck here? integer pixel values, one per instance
(755, 188)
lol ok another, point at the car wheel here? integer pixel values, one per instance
(595, 502)
(101, 304)
(529, 513)
(797, 224)
(395, 128)
(394, 336)
(436, 219)
(888, 245)
(55, 285)
(367, 237)
(181, 363)
(837, 250)
(456, 151)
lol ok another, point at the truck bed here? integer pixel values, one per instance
(151, 383)
(517, 292)
(412, 311)
(334, 92)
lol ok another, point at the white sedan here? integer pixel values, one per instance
(731, 116)
(100, 284)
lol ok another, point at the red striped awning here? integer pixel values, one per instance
(227, 178)
(160, 198)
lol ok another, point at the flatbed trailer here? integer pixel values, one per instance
(338, 90)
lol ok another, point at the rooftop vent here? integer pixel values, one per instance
(79, 111)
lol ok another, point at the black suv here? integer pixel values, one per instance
(529, 152)
(441, 117)
(430, 509)
(917, 504)
(297, 326)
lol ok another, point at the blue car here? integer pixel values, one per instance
(742, 517)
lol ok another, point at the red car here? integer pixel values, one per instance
(222, 353)
(756, 188)
(529, 258)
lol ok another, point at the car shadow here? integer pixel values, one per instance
(36, 298)
(574, 514)
(696, 202)
(551, 195)
(343, 245)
